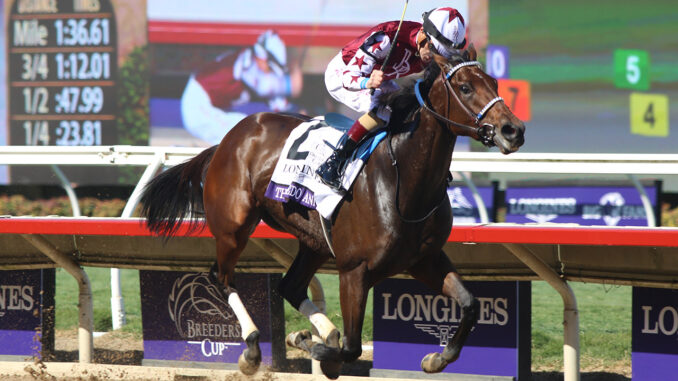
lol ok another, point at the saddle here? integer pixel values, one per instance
(366, 146)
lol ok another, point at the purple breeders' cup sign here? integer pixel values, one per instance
(410, 321)
(585, 205)
(26, 313)
(184, 317)
(464, 206)
(498, 61)
(654, 342)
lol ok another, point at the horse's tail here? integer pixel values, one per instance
(175, 195)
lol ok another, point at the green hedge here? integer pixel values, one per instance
(669, 216)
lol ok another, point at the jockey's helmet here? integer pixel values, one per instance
(270, 46)
(446, 29)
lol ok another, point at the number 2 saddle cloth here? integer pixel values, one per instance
(308, 146)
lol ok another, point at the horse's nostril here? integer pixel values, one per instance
(509, 131)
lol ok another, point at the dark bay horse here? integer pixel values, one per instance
(395, 220)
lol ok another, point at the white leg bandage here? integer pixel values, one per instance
(244, 318)
(317, 318)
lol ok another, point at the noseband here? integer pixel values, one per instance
(484, 131)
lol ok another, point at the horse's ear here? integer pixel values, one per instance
(473, 55)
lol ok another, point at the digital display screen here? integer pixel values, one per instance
(62, 73)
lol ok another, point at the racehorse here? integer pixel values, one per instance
(395, 220)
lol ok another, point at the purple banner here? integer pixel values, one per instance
(465, 207)
(26, 312)
(654, 342)
(411, 321)
(184, 317)
(294, 191)
(585, 205)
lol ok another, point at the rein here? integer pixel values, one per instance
(394, 163)
(485, 131)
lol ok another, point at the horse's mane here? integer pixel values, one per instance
(403, 102)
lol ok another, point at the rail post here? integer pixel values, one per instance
(86, 307)
(570, 312)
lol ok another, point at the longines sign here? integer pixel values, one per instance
(26, 313)
(411, 321)
(184, 317)
(611, 204)
(654, 343)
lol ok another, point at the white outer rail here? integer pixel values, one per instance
(576, 163)
(546, 163)
(640, 164)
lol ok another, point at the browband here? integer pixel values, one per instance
(459, 66)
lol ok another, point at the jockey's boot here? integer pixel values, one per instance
(330, 171)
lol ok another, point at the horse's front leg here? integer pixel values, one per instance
(294, 288)
(353, 297)
(440, 275)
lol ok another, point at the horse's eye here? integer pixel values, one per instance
(465, 89)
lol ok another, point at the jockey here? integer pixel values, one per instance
(224, 91)
(358, 68)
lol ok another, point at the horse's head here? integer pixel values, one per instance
(464, 97)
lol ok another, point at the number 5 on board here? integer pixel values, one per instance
(650, 114)
(632, 69)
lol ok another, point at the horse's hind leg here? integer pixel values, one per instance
(441, 276)
(229, 248)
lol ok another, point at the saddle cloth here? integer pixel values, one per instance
(308, 146)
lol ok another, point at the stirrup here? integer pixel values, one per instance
(328, 172)
(334, 183)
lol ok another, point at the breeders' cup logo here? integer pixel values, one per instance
(198, 309)
(16, 298)
(209, 348)
(439, 315)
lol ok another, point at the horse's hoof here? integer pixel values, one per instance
(250, 359)
(331, 369)
(247, 368)
(433, 363)
(295, 339)
(322, 352)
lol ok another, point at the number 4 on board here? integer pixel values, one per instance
(650, 114)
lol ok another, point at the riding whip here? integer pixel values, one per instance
(393, 43)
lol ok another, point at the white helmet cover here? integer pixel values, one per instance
(270, 47)
(446, 29)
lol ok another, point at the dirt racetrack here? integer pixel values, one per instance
(118, 356)
(24, 371)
